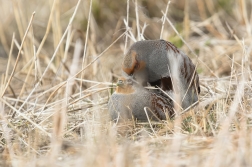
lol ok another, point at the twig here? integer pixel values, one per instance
(54, 55)
(145, 110)
(18, 56)
(85, 46)
(163, 19)
(137, 21)
(127, 26)
(189, 46)
(25, 117)
(9, 59)
(48, 27)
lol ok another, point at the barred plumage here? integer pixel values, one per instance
(130, 98)
(160, 63)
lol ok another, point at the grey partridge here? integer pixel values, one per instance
(130, 99)
(160, 63)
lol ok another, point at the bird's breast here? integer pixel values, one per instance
(125, 90)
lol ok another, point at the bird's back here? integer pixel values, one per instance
(162, 64)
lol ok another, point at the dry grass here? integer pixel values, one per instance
(58, 62)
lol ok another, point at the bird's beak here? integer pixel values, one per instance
(119, 83)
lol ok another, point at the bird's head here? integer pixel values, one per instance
(124, 85)
(132, 63)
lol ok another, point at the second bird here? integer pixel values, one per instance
(160, 63)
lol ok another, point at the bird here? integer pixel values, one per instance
(130, 98)
(161, 64)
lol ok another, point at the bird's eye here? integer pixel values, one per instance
(136, 66)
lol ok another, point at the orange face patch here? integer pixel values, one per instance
(124, 90)
(135, 64)
(129, 62)
(124, 87)
(141, 65)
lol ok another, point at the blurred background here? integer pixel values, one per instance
(207, 26)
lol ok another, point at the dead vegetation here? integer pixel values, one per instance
(59, 60)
